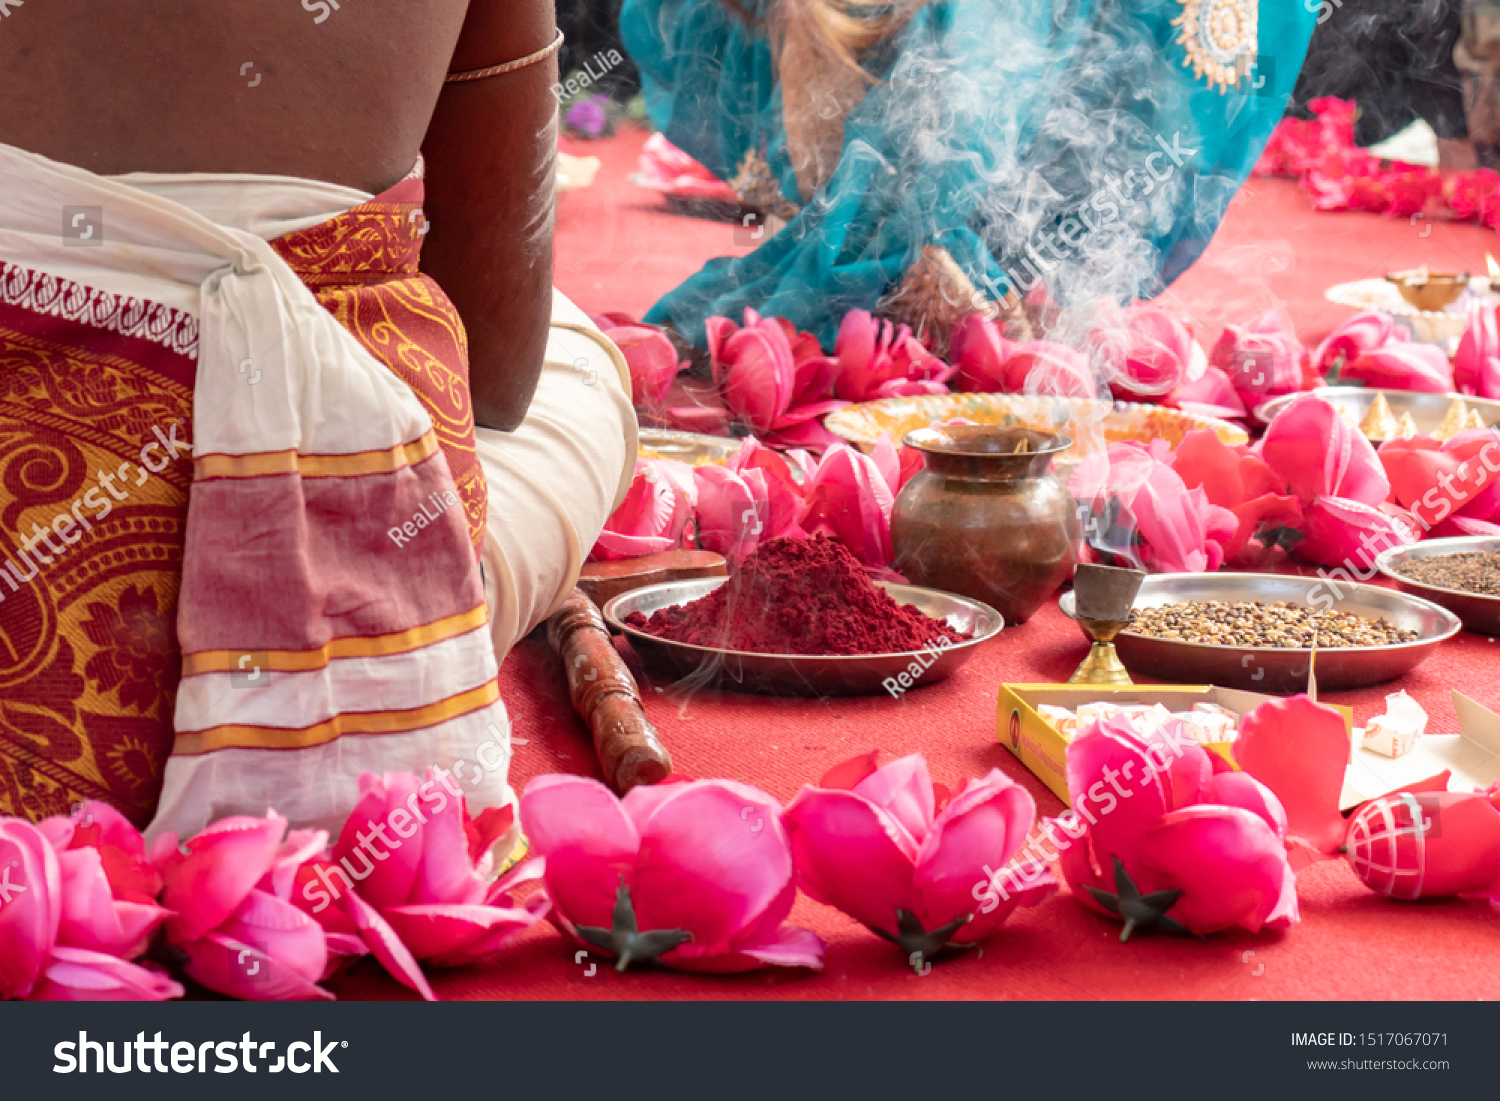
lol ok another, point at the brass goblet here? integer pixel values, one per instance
(1102, 597)
(1102, 665)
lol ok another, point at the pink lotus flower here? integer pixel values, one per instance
(849, 498)
(240, 938)
(652, 361)
(708, 416)
(1213, 395)
(802, 427)
(878, 360)
(108, 886)
(80, 975)
(32, 908)
(432, 888)
(1435, 480)
(1186, 845)
(1298, 748)
(71, 904)
(1175, 529)
(1048, 368)
(1262, 363)
(1146, 352)
(1402, 365)
(754, 366)
(1476, 364)
(1337, 479)
(986, 362)
(655, 510)
(978, 350)
(694, 875)
(1237, 479)
(737, 511)
(665, 168)
(1364, 332)
(896, 853)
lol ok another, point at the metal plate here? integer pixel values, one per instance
(686, 447)
(1431, 326)
(1091, 425)
(1480, 613)
(797, 674)
(1271, 669)
(1427, 410)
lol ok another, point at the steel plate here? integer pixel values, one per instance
(1479, 613)
(1271, 669)
(797, 674)
(1427, 410)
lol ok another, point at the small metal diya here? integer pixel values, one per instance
(1432, 291)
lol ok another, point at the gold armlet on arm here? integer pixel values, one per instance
(509, 66)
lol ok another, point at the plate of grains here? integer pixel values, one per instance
(1257, 631)
(1463, 575)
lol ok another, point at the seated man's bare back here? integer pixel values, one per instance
(344, 92)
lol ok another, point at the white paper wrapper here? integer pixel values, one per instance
(1395, 733)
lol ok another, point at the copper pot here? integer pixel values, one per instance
(984, 520)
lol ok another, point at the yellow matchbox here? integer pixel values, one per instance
(1043, 748)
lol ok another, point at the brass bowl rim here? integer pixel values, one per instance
(1405, 277)
(933, 438)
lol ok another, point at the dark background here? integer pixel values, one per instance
(1395, 57)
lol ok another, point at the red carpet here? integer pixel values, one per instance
(617, 251)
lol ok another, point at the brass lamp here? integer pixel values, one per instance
(1103, 596)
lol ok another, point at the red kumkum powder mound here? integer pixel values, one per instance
(799, 596)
